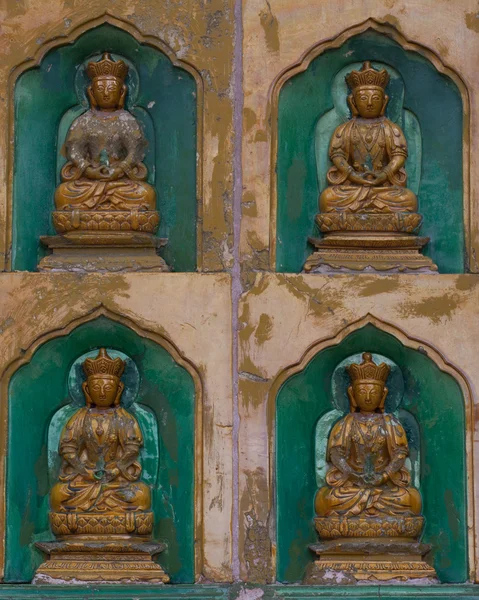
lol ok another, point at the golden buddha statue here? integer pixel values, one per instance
(368, 216)
(99, 504)
(367, 449)
(100, 446)
(368, 153)
(105, 213)
(105, 147)
(368, 513)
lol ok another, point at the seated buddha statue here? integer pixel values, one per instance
(366, 450)
(99, 447)
(368, 513)
(105, 147)
(368, 216)
(368, 153)
(100, 509)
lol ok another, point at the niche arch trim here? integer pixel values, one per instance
(336, 42)
(57, 40)
(409, 342)
(25, 356)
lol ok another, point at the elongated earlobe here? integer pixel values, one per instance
(383, 399)
(121, 387)
(88, 401)
(352, 106)
(352, 401)
(121, 103)
(385, 103)
(91, 97)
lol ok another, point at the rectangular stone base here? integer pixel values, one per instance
(355, 569)
(376, 252)
(349, 561)
(104, 252)
(84, 562)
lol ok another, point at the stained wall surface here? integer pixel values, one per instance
(240, 327)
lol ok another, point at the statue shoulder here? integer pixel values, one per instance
(79, 415)
(340, 426)
(82, 120)
(342, 129)
(125, 415)
(393, 129)
(396, 429)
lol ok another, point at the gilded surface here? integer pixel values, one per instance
(368, 153)
(104, 189)
(99, 494)
(367, 190)
(105, 147)
(368, 493)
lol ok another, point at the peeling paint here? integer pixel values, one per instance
(435, 308)
(270, 26)
(472, 21)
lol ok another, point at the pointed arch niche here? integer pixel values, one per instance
(165, 95)
(435, 97)
(37, 386)
(435, 394)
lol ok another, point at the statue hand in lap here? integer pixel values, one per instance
(100, 448)
(368, 153)
(105, 148)
(367, 449)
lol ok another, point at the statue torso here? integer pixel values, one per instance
(101, 437)
(368, 145)
(369, 447)
(100, 133)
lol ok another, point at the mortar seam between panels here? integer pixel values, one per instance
(236, 289)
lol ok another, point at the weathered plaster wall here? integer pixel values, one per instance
(198, 33)
(286, 319)
(192, 313)
(280, 317)
(279, 34)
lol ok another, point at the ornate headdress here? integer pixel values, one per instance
(107, 66)
(367, 76)
(104, 365)
(369, 371)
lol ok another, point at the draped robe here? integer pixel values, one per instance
(369, 444)
(98, 442)
(368, 145)
(96, 136)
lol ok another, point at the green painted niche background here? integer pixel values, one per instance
(43, 95)
(36, 392)
(435, 101)
(435, 400)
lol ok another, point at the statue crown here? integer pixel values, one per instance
(367, 76)
(107, 66)
(368, 370)
(104, 365)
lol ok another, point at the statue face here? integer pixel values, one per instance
(369, 101)
(102, 390)
(368, 396)
(107, 92)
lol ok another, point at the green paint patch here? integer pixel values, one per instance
(36, 392)
(166, 97)
(433, 398)
(429, 97)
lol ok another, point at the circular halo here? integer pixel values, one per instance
(340, 382)
(130, 377)
(82, 81)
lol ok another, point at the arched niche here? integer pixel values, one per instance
(37, 391)
(431, 98)
(162, 96)
(431, 396)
